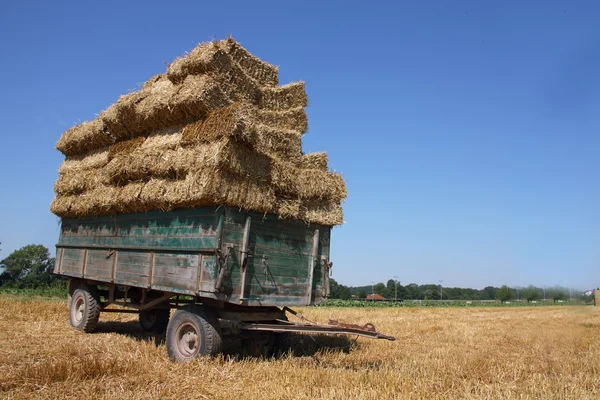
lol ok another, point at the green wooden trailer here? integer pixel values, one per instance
(226, 271)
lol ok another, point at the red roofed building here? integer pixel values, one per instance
(376, 297)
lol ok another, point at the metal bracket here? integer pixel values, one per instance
(222, 259)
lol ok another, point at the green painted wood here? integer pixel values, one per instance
(277, 268)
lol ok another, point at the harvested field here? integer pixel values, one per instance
(450, 353)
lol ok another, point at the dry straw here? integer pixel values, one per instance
(314, 161)
(93, 159)
(83, 138)
(201, 188)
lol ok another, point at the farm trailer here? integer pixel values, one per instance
(226, 271)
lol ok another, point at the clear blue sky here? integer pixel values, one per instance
(468, 131)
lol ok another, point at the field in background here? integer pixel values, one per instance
(445, 353)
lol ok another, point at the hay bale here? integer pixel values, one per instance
(285, 97)
(201, 188)
(326, 212)
(165, 163)
(155, 111)
(80, 181)
(150, 82)
(306, 184)
(84, 137)
(234, 120)
(316, 161)
(293, 119)
(120, 118)
(168, 138)
(124, 147)
(94, 159)
(217, 56)
(239, 121)
(262, 72)
(196, 97)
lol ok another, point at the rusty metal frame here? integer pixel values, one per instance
(367, 330)
(306, 326)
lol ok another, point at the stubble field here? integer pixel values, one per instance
(444, 353)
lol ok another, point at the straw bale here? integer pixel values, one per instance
(284, 97)
(209, 187)
(307, 183)
(326, 212)
(168, 138)
(177, 163)
(263, 73)
(94, 159)
(155, 111)
(220, 56)
(197, 96)
(263, 130)
(201, 188)
(150, 82)
(79, 181)
(314, 161)
(120, 118)
(293, 119)
(196, 62)
(84, 137)
(100, 201)
(231, 121)
(124, 147)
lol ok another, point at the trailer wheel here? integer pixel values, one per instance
(193, 332)
(84, 309)
(155, 320)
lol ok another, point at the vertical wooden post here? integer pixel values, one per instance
(85, 254)
(311, 266)
(244, 258)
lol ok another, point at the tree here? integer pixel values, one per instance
(557, 293)
(504, 293)
(30, 266)
(531, 293)
(489, 293)
(381, 289)
(362, 294)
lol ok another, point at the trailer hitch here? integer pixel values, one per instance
(306, 326)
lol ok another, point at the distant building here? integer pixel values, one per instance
(589, 292)
(375, 297)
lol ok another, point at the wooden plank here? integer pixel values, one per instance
(134, 267)
(72, 262)
(176, 271)
(98, 265)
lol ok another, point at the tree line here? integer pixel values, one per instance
(32, 266)
(393, 290)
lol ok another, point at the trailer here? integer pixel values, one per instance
(225, 271)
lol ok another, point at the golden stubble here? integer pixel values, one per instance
(443, 353)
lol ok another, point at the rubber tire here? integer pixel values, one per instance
(206, 326)
(159, 323)
(91, 309)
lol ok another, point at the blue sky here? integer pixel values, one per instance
(468, 131)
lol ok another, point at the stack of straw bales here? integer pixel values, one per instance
(215, 128)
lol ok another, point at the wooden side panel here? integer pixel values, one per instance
(72, 262)
(99, 265)
(208, 273)
(133, 268)
(176, 271)
(185, 229)
(172, 251)
(278, 263)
